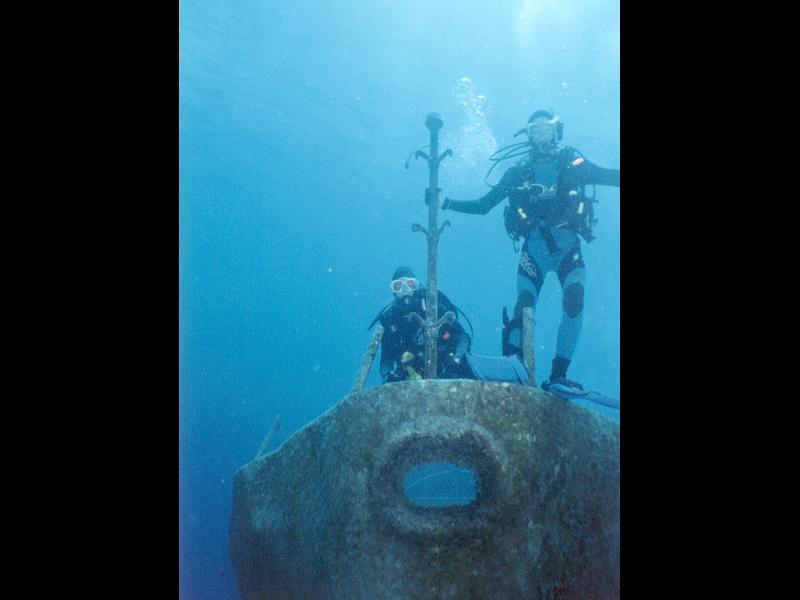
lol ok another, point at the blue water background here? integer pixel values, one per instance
(295, 206)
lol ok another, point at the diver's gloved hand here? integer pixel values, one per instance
(428, 195)
(451, 366)
(393, 376)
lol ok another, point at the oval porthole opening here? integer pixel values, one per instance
(440, 485)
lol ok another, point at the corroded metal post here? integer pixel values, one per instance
(431, 323)
(527, 345)
(366, 363)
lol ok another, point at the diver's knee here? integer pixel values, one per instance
(573, 300)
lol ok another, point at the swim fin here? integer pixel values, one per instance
(571, 393)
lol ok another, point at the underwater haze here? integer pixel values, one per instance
(295, 123)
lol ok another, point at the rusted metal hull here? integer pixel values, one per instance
(325, 515)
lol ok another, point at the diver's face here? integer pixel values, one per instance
(542, 132)
(404, 288)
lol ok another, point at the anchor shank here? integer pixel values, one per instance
(434, 123)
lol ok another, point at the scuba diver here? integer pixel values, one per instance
(549, 209)
(403, 342)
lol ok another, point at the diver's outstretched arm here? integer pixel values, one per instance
(591, 173)
(475, 207)
(483, 205)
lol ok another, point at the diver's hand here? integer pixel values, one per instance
(428, 195)
(451, 365)
(393, 376)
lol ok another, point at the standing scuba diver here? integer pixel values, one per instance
(549, 209)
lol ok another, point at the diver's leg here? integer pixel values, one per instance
(572, 276)
(530, 277)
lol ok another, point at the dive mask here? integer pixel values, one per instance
(404, 286)
(542, 130)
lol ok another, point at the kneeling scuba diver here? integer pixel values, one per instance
(403, 342)
(549, 209)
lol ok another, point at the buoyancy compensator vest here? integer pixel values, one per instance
(532, 205)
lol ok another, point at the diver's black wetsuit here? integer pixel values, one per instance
(406, 335)
(549, 217)
(512, 184)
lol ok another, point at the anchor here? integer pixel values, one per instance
(432, 323)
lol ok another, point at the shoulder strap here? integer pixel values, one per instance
(565, 156)
(384, 311)
(445, 300)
